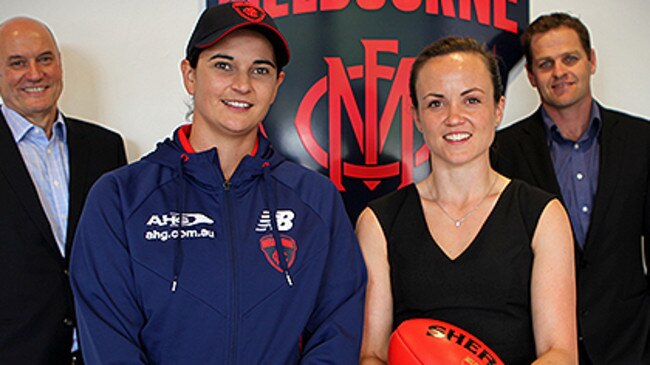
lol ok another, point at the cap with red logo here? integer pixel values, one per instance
(217, 22)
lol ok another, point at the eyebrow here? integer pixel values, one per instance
(432, 94)
(265, 62)
(472, 90)
(18, 56)
(461, 94)
(220, 55)
(231, 58)
(563, 54)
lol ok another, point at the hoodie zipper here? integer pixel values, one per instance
(234, 295)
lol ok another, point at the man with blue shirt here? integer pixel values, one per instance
(48, 162)
(598, 161)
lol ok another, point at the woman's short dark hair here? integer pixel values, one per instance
(456, 44)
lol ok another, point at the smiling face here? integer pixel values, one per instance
(234, 84)
(561, 68)
(31, 76)
(457, 112)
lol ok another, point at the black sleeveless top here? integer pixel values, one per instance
(486, 289)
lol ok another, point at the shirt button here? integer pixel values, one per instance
(580, 176)
(49, 151)
(68, 322)
(576, 146)
(56, 183)
(585, 209)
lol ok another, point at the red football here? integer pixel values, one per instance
(433, 342)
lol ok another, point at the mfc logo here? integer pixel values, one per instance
(370, 130)
(283, 220)
(173, 219)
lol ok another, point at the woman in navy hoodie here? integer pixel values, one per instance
(214, 249)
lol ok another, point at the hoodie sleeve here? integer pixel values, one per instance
(109, 316)
(333, 334)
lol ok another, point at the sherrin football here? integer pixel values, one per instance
(433, 342)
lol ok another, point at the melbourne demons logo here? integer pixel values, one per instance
(370, 130)
(250, 12)
(268, 247)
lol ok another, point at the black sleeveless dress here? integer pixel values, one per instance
(485, 290)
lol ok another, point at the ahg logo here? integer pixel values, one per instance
(371, 130)
(166, 227)
(173, 219)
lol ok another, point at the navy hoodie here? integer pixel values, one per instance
(172, 264)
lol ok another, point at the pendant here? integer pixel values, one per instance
(457, 223)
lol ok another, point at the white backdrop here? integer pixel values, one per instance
(121, 59)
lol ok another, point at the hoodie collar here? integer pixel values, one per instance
(183, 134)
(202, 168)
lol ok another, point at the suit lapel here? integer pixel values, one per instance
(78, 155)
(20, 182)
(612, 146)
(535, 148)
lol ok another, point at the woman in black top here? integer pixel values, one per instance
(467, 245)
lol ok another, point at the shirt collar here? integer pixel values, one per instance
(593, 129)
(20, 127)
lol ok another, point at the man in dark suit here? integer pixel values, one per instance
(598, 161)
(48, 162)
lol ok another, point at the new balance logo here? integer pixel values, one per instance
(283, 220)
(173, 219)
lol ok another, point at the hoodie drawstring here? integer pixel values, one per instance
(178, 248)
(272, 204)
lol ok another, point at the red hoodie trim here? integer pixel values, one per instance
(184, 139)
(256, 147)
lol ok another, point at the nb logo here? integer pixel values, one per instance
(283, 220)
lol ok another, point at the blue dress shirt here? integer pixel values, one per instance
(576, 168)
(47, 163)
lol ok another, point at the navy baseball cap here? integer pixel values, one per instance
(217, 22)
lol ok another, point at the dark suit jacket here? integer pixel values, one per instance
(36, 309)
(613, 291)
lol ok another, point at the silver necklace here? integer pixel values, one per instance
(458, 222)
